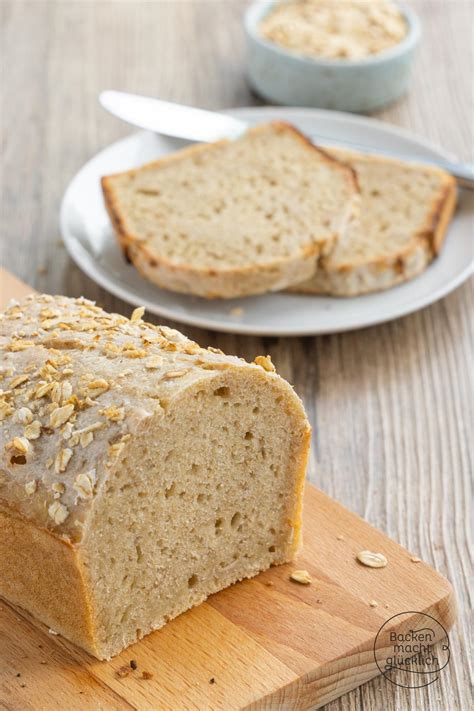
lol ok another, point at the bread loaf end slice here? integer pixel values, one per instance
(139, 473)
(405, 210)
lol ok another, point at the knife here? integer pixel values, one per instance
(208, 126)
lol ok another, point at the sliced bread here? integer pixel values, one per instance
(404, 213)
(232, 218)
(139, 473)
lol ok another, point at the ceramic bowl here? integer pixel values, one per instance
(284, 77)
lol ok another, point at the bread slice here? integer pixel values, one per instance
(232, 218)
(139, 473)
(404, 214)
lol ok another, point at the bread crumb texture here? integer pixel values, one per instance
(156, 473)
(235, 217)
(335, 29)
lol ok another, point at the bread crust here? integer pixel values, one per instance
(363, 275)
(225, 282)
(43, 573)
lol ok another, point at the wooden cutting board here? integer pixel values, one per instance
(266, 643)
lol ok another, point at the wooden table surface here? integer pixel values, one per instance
(390, 405)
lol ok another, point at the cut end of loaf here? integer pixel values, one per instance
(208, 497)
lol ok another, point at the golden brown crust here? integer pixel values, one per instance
(43, 574)
(299, 489)
(441, 215)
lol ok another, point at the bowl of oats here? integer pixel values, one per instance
(347, 55)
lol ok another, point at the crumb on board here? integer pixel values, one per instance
(51, 631)
(415, 559)
(123, 671)
(212, 680)
(147, 675)
(133, 664)
(373, 603)
(340, 537)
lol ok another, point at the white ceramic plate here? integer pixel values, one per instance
(88, 236)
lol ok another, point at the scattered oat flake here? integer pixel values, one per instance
(51, 631)
(174, 374)
(62, 460)
(373, 603)
(154, 362)
(33, 430)
(415, 559)
(268, 583)
(372, 560)
(137, 314)
(86, 438)
(58, 512)
(18, 381)
(114, 413)
(99, 385)
(301, 576)
(84, 484)
(61, 415)
(19, 444)
(265, 362)
(237, 311)
(340, 537)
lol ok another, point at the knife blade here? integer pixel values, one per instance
(171, 119)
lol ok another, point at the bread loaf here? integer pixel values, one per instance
(404, 213)
(232, 218)
(139, 472)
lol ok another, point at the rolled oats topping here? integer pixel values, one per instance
(61, 415)
(265, 362)
(137, 314)
(154, 362)
(18, 445)
(84, 484)
(24, 416)
(33, 430)
(58, 512)
(63, 458)
(19, 380)
(76, 383)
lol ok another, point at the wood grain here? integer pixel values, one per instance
(390, 405)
